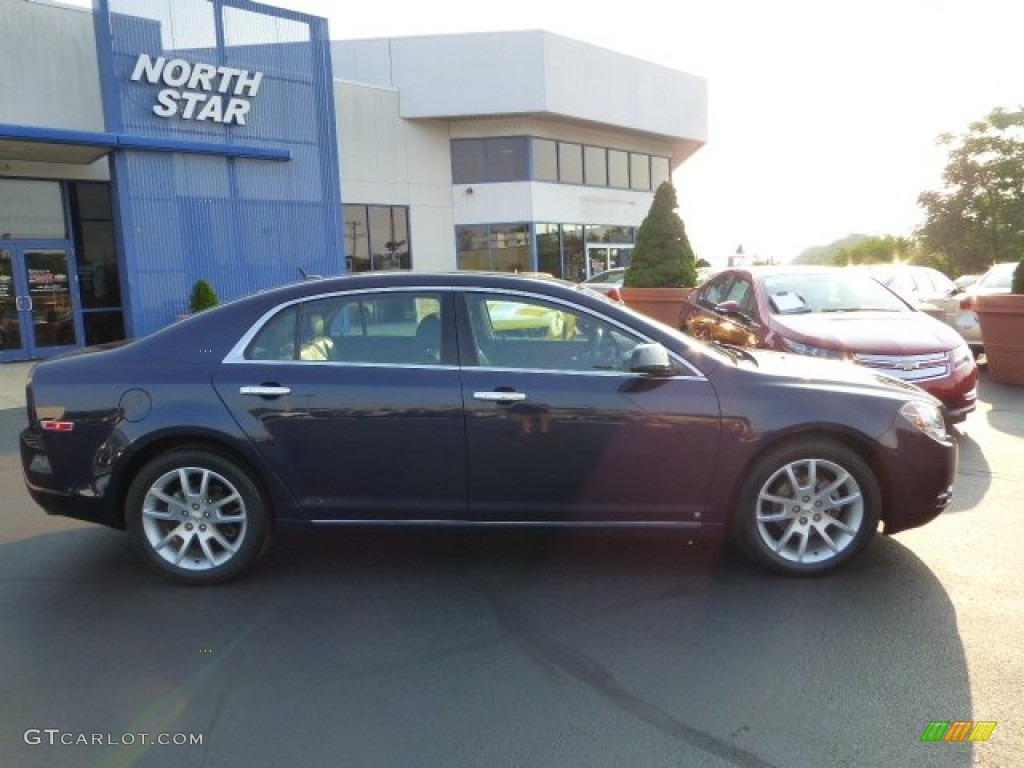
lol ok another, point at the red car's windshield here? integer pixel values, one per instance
(826, 292)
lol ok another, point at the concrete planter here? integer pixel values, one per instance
(662, 304)
(1002, 328)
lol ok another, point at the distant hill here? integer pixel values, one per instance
(825, 254)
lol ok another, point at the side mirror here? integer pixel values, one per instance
(651, 359)
(733, 311)
(729, 308)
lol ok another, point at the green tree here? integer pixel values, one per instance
(875, 250)
(977, 218)
(203, 297)
(1017, 282)
(662, 257)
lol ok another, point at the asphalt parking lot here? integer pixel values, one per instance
(402, 649)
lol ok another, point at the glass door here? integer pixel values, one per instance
(604, 257)
(11, 313)
(38, 306)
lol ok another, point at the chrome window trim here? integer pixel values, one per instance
(236, 354)
(344, 364)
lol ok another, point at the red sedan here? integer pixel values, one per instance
(834, 313)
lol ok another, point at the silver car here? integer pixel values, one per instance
(608, 282)
(996, 280)
(925, 288)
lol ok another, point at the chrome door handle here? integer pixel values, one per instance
(500, 397)
(265, 391)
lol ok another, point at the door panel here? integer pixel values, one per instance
(580, 447)
(356, 442)
(351, 434)
(12, 316)
(557, 430)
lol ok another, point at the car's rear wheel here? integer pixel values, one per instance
(808, 507)
(197, 515)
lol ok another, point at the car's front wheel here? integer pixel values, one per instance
(197, 515)
(808, 507)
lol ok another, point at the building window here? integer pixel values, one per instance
(476, 161)
(507, 159)
(494, 247)
(618, 169)
(660, 171)
(557, 249)
(99, 274)
(603, 234)
(472, 247)
(549, 249)
(570, 163)
(510, 247)
(545, 160)
(595, 166)
(377, 237)
(504, 159)
(31, 210)
(573, 253)
(469, 164)
(639, 171)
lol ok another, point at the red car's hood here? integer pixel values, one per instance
(887, 333)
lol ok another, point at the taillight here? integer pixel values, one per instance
(614, 295)
(966, 303)
(56, 425)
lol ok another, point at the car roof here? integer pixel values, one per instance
(783, 269)
(403, 278)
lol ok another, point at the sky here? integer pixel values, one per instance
(822, 114)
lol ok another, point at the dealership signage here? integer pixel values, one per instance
(197, 91)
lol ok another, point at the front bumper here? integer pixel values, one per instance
(919, 478)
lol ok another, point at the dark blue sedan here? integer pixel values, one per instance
(473, 400)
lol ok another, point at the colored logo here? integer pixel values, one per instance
(958, 730)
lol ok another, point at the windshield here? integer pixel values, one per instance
(999, 276)
(845, 291)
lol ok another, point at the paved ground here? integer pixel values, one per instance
(399, 649)
(12, 384)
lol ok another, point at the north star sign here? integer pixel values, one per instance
(199, 91)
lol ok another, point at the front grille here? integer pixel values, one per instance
(935, 365)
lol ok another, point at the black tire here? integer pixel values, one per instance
(831, 510)
(195, 537)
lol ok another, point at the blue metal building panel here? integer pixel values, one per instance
(227, 73)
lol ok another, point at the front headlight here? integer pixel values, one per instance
(927, 418)
(961, 355)
(811, 351)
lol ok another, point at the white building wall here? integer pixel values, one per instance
(49, 75)
(49, 78)
(531, 73)
(595, 84)
(389, 161)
